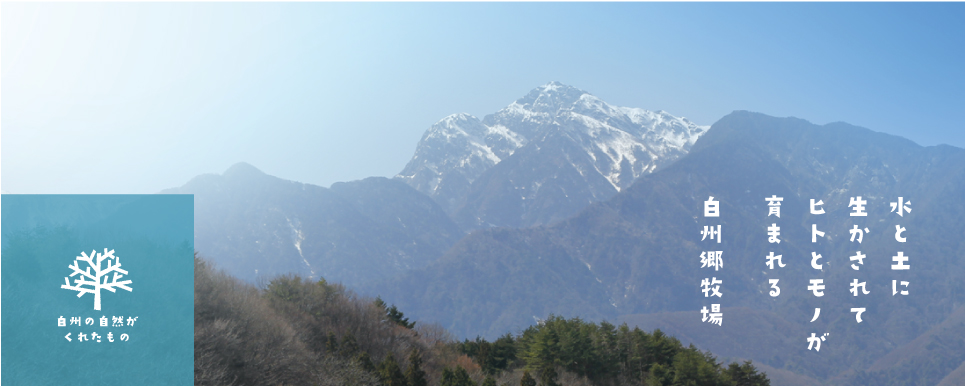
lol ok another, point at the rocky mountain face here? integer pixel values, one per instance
(638, 252)
(542, 158)
(257, 226)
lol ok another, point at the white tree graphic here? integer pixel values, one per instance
(98, 279)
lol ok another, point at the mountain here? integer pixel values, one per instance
(931, 358)
(255, 225)
(542, 158)
(638, 252)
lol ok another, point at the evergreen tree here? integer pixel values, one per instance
(484, 357)
(660, 375)
(365, 362)
(489, 381)
(414, 375)
(527, 380)
(448, 377)
(547, 376)
(457, 377)
(349, 347)
(745, 375)
(331, 344)
(399, 318)
(504, 352)
(390, 373)
(492, 357)
(379, 302)
(462, 377)
(691, 367)
(393, 314)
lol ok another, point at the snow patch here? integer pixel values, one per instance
(297, 238)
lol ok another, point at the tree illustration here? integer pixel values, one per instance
(95, 277)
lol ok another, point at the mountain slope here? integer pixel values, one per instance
(256, 225)
(641, 248)
(542, 158)
(928, 359)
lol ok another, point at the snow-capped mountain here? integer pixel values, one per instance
(561, 148)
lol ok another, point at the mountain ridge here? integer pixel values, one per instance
(256, 225)
(636, 253)
(606, 148)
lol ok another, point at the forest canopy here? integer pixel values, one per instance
(295, 331)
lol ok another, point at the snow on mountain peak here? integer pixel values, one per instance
(619, 143)
(550, 98)
(458, 117)
(551, 86)
(456, 125)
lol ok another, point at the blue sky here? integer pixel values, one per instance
(135, 98)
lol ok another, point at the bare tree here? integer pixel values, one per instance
(98, 279)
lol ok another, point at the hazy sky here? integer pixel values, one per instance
(135, 98)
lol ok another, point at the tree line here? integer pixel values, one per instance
(294, 331)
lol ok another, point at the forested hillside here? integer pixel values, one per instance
(302, 332)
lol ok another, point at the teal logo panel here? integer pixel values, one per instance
(97, 290)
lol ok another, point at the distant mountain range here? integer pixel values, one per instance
(257, 226)
(542, 158)
(577, 208)
(638, 252)
(563, 149)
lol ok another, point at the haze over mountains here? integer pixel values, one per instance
(541, 159)
(257, 226)
(562, 204)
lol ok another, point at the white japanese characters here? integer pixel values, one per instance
(815, 233)
(859, 258)
(118, 321)
(900, 207)
(712, 259)
(900, 261)
(816, 207)
(857, 205)
(775, 290)
(898, 231)
(859, 288)
(817, 286)
(858, 312)
(774, 205)
(711, 287)
(814, 339)
(859, 233)
(814, 261)
(711, 207)
(855, 285)
(709, 231)
(713, 316)
(774, 234)
(894, 287)
(773, 237)
(771, 259)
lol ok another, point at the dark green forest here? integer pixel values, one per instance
(294, 331)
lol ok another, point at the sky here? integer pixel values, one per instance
(140, 97)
